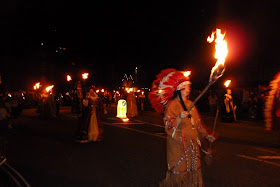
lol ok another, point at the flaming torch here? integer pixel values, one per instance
(219, 68)
(37, 86)
(227, 83)
(85, 76)
(187, 73)
(49, 88)
(69, 78)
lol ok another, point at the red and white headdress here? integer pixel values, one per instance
(163, 88)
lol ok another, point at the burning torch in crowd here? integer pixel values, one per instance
(227, 83)
(219, 68)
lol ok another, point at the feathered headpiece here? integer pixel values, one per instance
(269, 103)
(163, 88)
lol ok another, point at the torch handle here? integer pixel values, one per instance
(200, 95)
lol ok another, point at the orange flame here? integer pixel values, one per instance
(69, 78)
(221, 48)
(227, 83)
(85, 75)
(37, 86)
(49, 88)
(187, 73)
(130, 90)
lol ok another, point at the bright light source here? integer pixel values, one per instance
(69, 78)
(187, 73)
(121, 109)
(85, 75)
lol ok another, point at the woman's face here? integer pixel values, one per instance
(186, 90)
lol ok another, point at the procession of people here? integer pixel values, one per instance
(170, 96)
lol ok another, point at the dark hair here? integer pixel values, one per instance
(178, 93)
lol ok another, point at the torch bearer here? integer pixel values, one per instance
(219, 68)
(230, 102)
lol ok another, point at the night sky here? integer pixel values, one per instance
(110, 39)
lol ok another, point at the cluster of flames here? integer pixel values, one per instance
(84, 76)
(38, 85)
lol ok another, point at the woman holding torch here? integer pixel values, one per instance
(169, 95)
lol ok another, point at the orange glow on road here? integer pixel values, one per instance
(125, 119)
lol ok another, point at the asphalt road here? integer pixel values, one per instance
(133, 153)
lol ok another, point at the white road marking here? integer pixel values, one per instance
(256, 159)
(111, 124)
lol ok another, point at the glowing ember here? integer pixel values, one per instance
(125, 119)
(187, 73)
(69, 78)
(49, 88)
(85, 75)
(159, 91)
(221, 49)
(227, 83)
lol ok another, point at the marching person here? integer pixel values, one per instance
(272, 105)
(170, 95)
(131, 105)
(91, 127)
(213, 100)
(229, 109)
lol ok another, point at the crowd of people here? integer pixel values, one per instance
(234, 103)
(170, 95)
